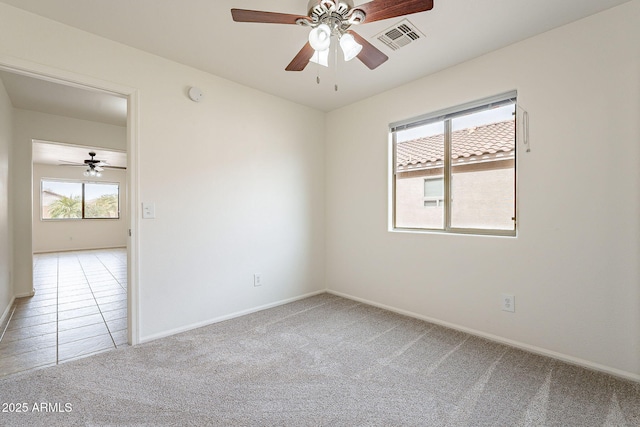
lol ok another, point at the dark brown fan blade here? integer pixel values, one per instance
(370, 55)
(302, 59)
(378, 10)
(244, 15)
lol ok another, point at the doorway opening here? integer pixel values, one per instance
(70, 274)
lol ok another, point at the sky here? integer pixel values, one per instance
(72, 188)
(463, 122)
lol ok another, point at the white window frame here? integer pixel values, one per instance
(446, 115)
(82, 183)
(439, 199)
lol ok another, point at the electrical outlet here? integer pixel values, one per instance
(508, 303)
(257, 279)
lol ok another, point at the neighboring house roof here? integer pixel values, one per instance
(52, 194)
(474, 145)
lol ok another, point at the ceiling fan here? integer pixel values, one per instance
(94, 166)
(334, 18)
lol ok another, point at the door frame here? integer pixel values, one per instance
(68, 78)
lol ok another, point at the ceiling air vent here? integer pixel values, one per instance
(400, 35)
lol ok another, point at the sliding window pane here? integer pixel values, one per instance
(101, 200)
(419, 166)
(483, 170)
(61, 200)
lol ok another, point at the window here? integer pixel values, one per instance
(101, 200)
(433, 192)
(454, 170)
(78, 200)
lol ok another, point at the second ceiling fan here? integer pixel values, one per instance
(334, 18)
(93, 165)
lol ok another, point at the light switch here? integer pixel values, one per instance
(148, 210)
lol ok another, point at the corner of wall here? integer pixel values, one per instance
(7, 293)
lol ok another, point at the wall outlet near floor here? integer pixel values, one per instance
(509, 302)
(257, 279)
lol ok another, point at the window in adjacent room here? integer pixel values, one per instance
(101, 200)
(454, 170)
(78, 200)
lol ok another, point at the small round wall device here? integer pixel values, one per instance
(195, 94)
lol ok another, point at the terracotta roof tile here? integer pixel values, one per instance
(488, 139)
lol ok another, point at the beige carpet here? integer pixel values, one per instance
(322, 361)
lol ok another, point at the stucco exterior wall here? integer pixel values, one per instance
(483, 197)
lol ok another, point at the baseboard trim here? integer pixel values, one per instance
(5, 317)
(512, 343)
(230, 316)
(93, 248)
(27, 295)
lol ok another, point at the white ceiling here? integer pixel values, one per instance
(29, 93)
(201, 33)
(53, 153)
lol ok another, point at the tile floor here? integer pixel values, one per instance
(80, 308)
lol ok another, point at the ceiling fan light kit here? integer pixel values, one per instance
(94, 167)
(320, 37)
(321, 57)
(93, 171)
(331, 18)
(350, 47)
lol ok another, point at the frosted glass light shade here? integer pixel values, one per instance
(350, 47)
(321, 57)
(320, 37)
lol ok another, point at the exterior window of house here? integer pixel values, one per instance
(433, 192)
(70, 200)
(454, 170)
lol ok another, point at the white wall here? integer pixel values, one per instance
(6, 288)
(53, 236)
(237, 179)
(574, 264)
